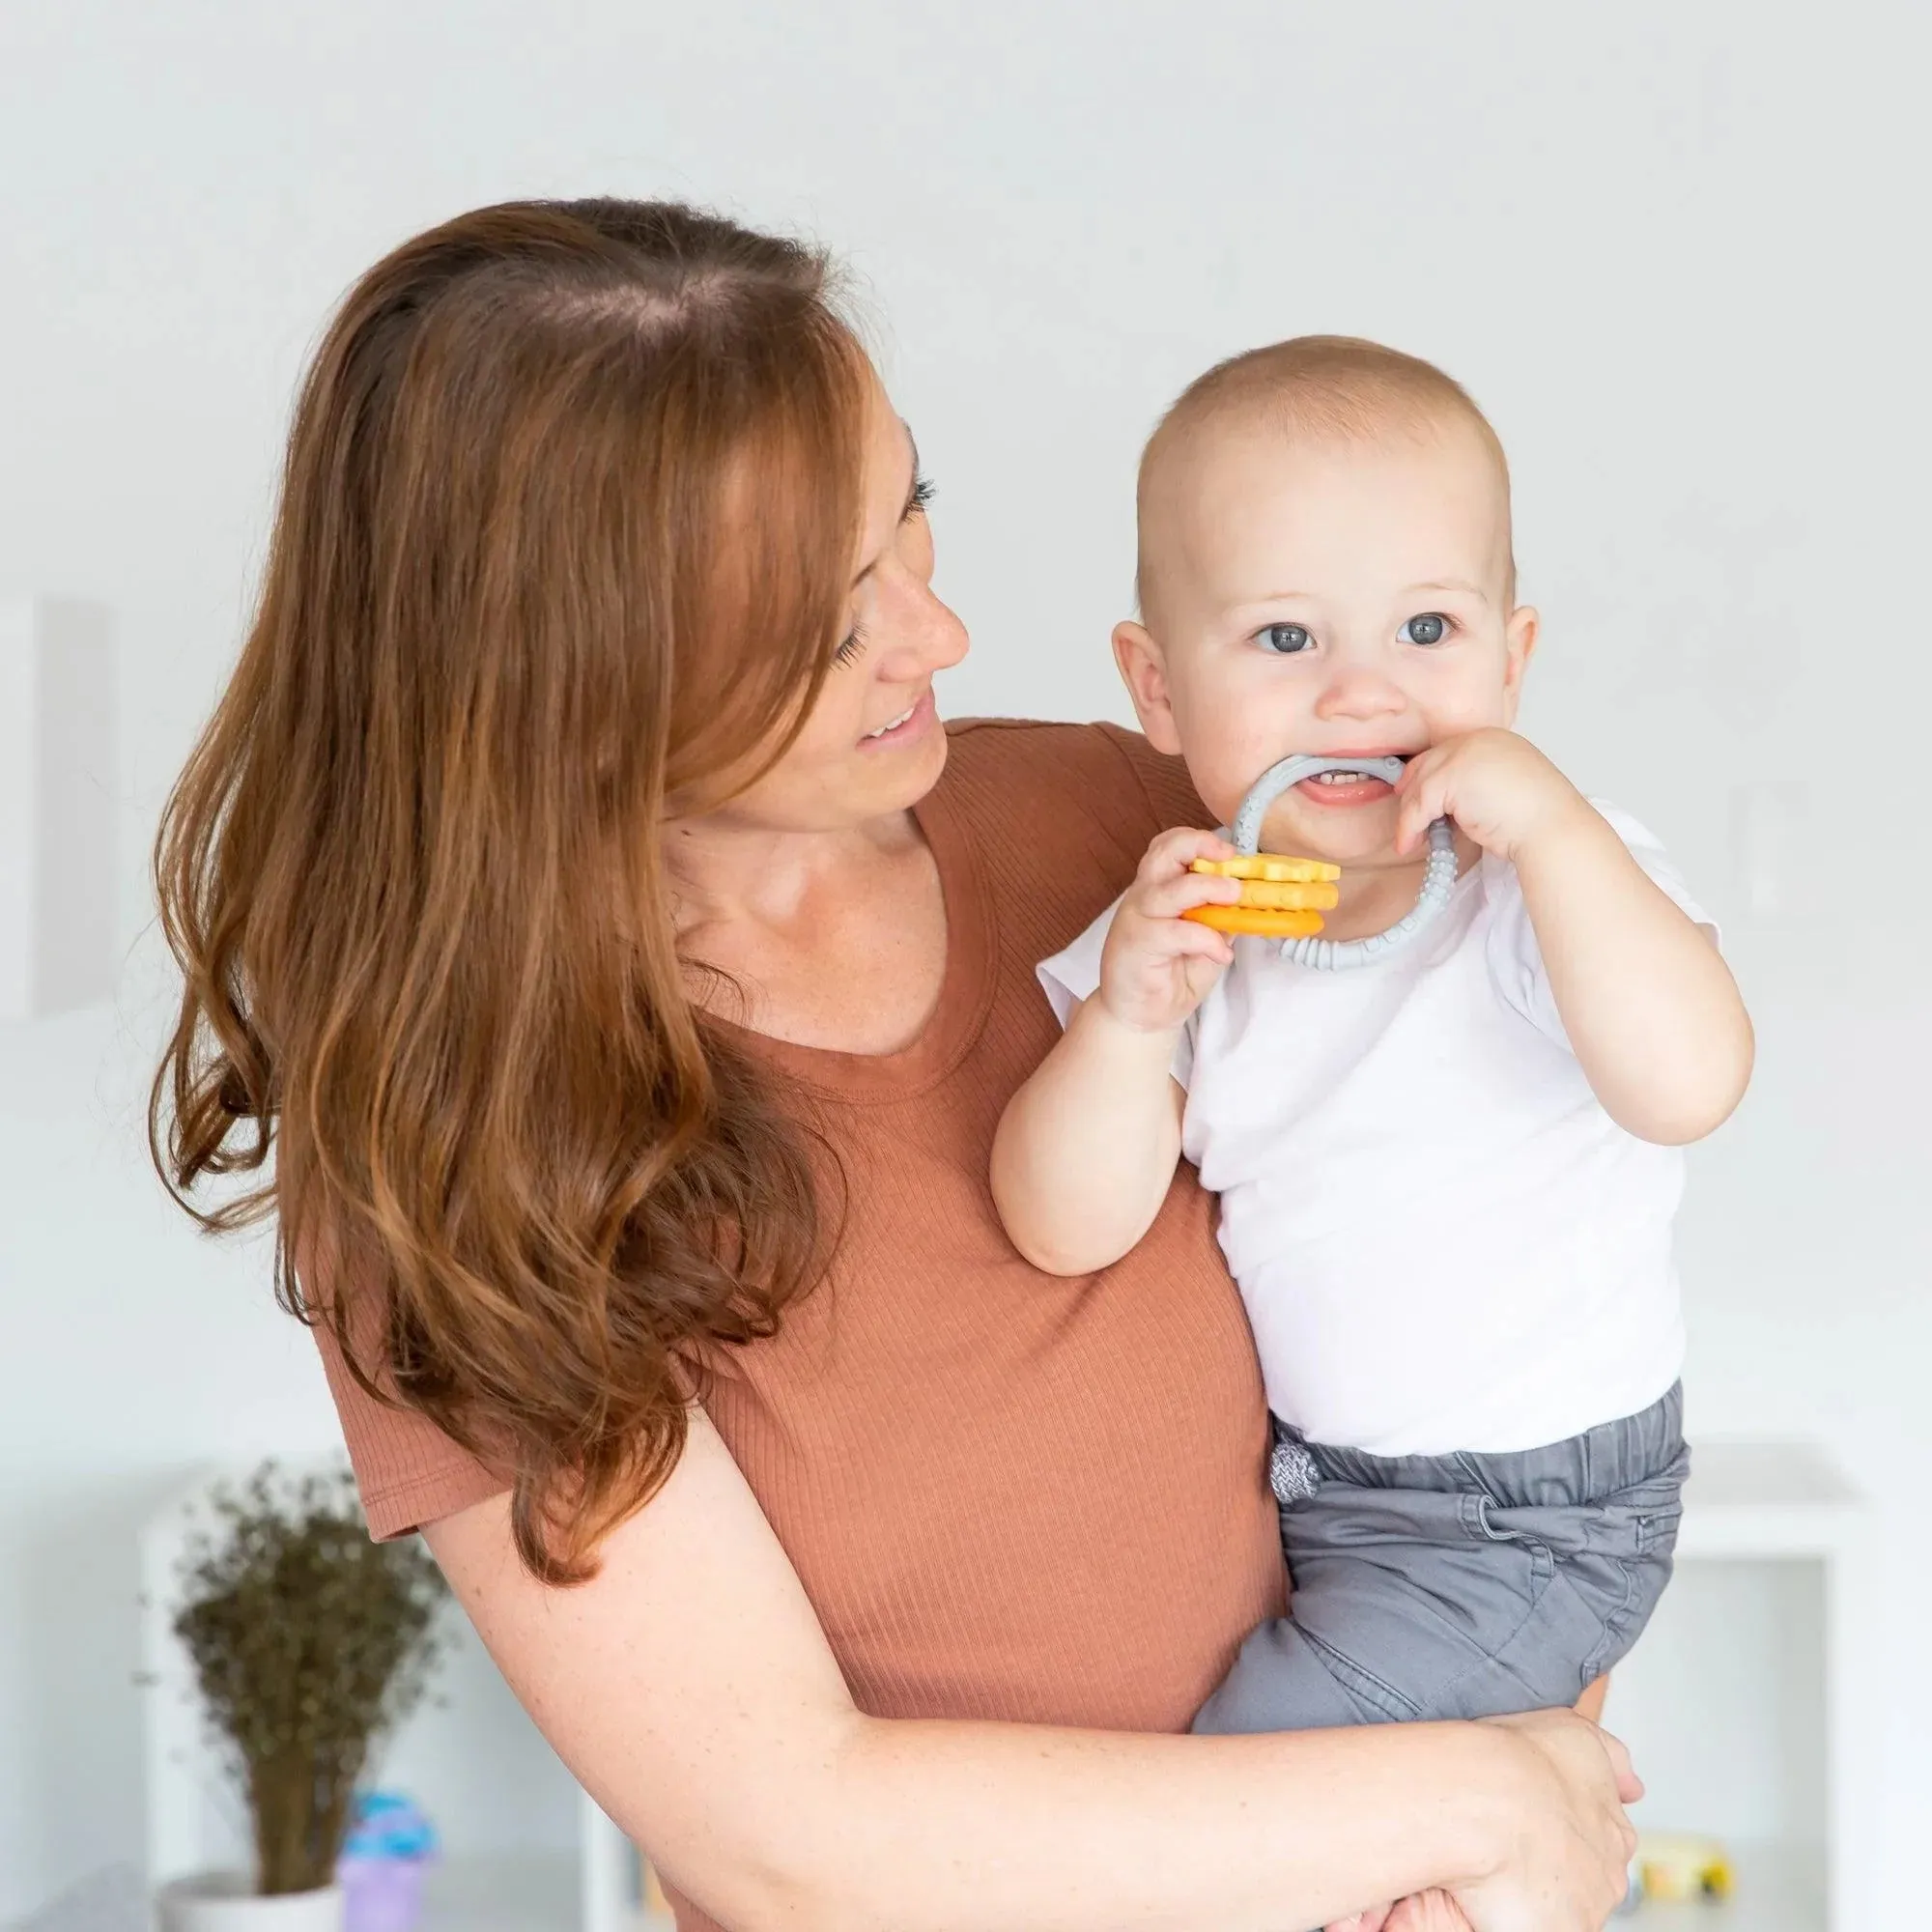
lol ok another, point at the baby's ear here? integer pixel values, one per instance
(1144, 670)
(1520, 637)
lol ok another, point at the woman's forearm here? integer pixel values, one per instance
(692, 1692)
(953, 1828)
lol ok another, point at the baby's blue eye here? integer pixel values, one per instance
(1430, 628)
(1285, 640)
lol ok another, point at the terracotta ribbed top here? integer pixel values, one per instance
(1009, 1495)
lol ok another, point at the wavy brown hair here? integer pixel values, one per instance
(563, 548)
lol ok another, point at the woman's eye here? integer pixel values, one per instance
(1285, 640)
(852, 647)
(1430, 628)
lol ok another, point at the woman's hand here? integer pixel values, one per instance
(1572, 1846)
(1568, 1865)
(1426, 1912)
(1157, 967)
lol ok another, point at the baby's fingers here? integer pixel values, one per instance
(1423, 797)
(1172, 852)
(1179, 892)
(1163, 938)
(1196, 941)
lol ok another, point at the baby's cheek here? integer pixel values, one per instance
(1222, 771)
(1471, 689)
(1467, 705)
(1228, 746)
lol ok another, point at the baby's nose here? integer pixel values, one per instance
(1358, 693)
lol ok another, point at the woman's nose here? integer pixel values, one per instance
(925, 634)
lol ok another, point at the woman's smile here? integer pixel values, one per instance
(914, 721)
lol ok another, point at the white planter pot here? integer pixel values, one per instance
(226, 1902)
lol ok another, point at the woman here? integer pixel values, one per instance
(577, 886)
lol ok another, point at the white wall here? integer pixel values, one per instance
(1676, 251)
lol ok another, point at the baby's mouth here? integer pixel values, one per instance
(1337, 789)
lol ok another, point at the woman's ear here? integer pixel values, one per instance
(1144, 672)
(1520, 637)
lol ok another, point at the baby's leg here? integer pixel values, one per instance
(1463, 1586)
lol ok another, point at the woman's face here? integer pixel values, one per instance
(873, 744)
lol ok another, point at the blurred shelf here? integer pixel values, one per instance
(1779, 1888)
(1764, 1500)
(524, 1893)
(533, 1892)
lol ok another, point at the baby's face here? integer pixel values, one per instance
(1328, 598)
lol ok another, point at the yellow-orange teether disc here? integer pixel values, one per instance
(1263, 894)
(1270, 865)
(1258, 921)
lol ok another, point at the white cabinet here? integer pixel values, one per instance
(59, 807)
(1752, 1705)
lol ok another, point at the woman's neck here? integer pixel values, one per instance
(826, 939)
(726, 873)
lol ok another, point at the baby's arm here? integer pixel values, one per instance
(1650, 1008)
(1084, 1152)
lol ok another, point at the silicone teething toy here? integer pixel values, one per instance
(1283, 898)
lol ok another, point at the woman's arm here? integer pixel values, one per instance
(691, 1691)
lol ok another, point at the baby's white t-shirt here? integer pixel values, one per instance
(1442, 1239)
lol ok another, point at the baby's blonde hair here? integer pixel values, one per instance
(1334, 387)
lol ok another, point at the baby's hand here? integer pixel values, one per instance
(1499, 788)
(1157, 967)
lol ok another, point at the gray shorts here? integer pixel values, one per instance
(1458, 1586)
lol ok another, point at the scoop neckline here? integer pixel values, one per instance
(966, 987)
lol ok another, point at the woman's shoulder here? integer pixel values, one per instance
(1032, 776)
(408, 1471)
(1058, 817)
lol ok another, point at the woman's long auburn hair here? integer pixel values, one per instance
(563, 548)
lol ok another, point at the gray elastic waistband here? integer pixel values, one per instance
(1612, 1456)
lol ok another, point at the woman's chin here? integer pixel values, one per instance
(896, 780)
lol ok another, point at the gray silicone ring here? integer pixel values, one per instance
(1439, 877)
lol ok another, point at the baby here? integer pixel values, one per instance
(1446, 1177)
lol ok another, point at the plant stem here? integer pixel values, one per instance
(283, 1794)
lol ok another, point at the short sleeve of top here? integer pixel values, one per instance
(1514, 958)
(406, 1471)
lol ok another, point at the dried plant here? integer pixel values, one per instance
(311, 1644)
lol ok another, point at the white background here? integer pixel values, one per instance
(1675, 250)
